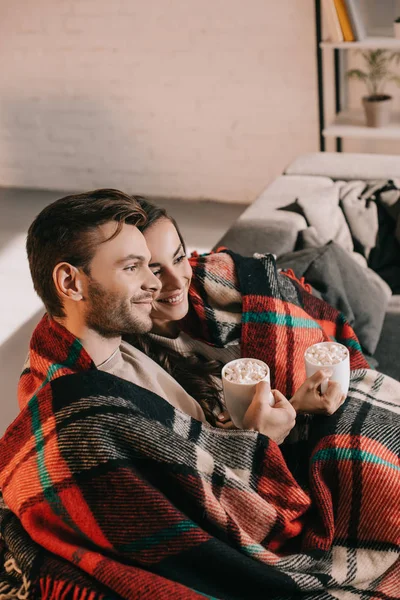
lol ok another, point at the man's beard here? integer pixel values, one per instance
(112, 316)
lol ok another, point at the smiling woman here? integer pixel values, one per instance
(170, 264)
(197, 373)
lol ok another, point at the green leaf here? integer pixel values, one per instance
(357, 74)
(377, 73)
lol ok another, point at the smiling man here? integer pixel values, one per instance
(90, 265)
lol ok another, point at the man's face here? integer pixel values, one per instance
(120, 286)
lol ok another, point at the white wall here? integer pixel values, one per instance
(192, 98)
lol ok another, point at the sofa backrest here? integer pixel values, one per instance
(346, 165)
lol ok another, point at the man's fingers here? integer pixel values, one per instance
(261, 399)
(262, 387)
(319, 376)
(262, 392)
(280, 399)
(282, 402)
(334, 390)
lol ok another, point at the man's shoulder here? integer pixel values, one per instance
(94, 389)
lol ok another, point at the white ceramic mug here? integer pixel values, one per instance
(340, 370)
(238, 396)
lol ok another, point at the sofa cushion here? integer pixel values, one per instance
(282, 191)
(276, 234)
(322, 211)
(261, 228)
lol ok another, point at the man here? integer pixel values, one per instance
(113, 492)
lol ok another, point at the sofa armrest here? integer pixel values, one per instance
(276, 233)
(347, 165)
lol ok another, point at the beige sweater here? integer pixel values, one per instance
(186, 345)
(133, 365)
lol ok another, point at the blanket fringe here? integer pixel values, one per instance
(53, 590)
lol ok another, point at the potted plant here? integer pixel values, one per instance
(396, 26)
(377, 74)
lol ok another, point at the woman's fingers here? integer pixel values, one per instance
(223, 416)
(310, 399)
(227, 425)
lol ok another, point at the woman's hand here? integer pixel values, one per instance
(308, 398)
(224, 421)
(274, 421)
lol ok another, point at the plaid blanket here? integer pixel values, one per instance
(109, 492)
(274, 315)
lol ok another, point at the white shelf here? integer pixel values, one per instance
(389, 43)
(351, 124)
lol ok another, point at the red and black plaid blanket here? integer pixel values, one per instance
(274, 316)
(109, 492)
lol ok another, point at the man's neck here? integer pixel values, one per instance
(98, 347)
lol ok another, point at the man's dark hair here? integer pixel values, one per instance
(67, 231)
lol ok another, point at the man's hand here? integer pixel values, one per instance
(308, 398)
(274, 421)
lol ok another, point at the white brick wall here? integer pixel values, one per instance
(193, 98)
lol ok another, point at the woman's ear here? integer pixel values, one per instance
(68, 281)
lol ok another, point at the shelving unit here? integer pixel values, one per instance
(370, 42)
(351, 124)
(348, 123)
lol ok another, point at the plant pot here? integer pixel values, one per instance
(396, 27)
(377, 110)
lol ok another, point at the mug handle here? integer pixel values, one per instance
(324, 385)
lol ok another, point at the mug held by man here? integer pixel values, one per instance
(239, 380)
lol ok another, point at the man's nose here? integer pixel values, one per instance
(152, 282)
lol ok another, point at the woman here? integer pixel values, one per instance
(195, 364)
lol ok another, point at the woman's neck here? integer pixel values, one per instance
(168, 329)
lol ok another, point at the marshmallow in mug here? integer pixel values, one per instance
(245, 371)
(326, 354)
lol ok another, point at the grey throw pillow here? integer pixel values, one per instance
(355, 291)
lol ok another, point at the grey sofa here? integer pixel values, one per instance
(265, 227)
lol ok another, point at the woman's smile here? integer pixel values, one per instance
(176, 298)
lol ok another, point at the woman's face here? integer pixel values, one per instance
(170, 264)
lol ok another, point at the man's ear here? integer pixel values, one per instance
(68, 281)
